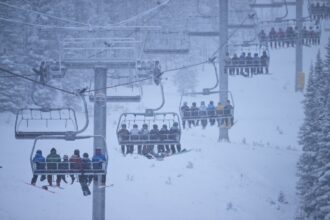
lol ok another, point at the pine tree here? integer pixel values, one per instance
(314, 163)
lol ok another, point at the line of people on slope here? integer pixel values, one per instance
(53, 162)
(168, 139)
(288, 38)
(246, 64)
(319, 11)
(223, 114)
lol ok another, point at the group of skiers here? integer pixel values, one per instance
(222, 113)
(289, 37)
(54, 162)
(318, 11)
(245, 64)
(143, 137)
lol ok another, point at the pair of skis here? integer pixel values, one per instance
(46, 187)
(161, 156)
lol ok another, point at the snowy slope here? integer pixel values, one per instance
(241, 180)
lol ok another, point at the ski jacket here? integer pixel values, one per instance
(75, 162)
(39, 160)
(123, 133)
(134, 131)
(202, 108)
(97, 160)
(154, 134)
(210, 107)
(86, 163)
(53, 160)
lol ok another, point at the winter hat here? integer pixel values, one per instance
(155, 126)
(53, 151)
(123, 125)
(85, 155)
(39, 152)
(76, 152)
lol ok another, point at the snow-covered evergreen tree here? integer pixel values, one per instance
(314, 163)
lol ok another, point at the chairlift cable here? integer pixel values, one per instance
(40, 13)
(35, 81)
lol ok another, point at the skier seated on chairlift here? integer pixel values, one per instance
(235, 62)
(85, 180)
(134, 135)
(220, 112)
(123, 135)
(203, 112)
(98, 160)
(262, 36)
(75, 163)
(228, 64)
(264, 59)
(186, 113)
(40, 164)
(144, 135)
(249, 63)
(53, 160)
(255, 64)
(174, 134)
(272, 37)
(64, 166)
(154, 135)
(163, 134)
(228, 112)
(211, 112)
(281, 37)
(194, 112)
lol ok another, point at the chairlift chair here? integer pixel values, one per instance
(166, 43)
(68, 168)
(149, 118)
(33, 122)
(255, 62)
(222, 116)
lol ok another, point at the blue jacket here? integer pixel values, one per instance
(98, 158)
(210, 107)
(39, 160)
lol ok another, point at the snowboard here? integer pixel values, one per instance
(45, 188)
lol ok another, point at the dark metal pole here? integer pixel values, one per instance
(223, 85)
(100, 116)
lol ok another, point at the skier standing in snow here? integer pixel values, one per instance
(40, 165)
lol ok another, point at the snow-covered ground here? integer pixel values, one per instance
(251, 178)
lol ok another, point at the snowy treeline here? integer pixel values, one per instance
(314, 164)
